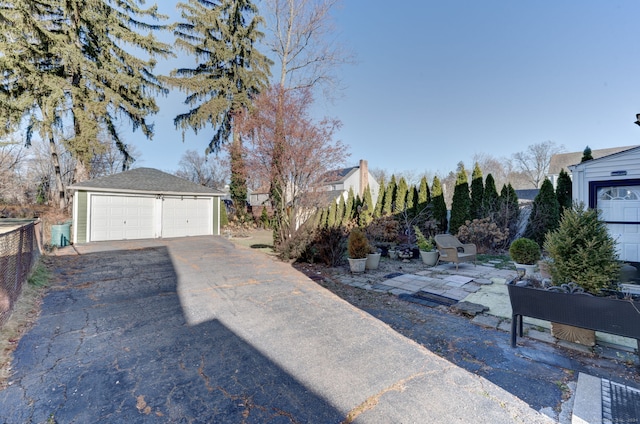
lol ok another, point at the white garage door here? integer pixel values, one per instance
(121, 217)
(186, 216)
(620, 208)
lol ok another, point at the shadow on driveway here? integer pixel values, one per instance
(112, 345)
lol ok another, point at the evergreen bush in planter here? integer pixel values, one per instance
(582, 251)
(358, 248)
(583, 266)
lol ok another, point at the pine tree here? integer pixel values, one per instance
(490, 199)
(230, 73)
(564, 191)
(545, 214)
(439, 211)
(461, 203)
(477, 193)
(79, 66)
(586, 155)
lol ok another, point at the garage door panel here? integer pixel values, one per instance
(121, 217)
(186, 216)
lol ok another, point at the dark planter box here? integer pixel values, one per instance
(608, 315)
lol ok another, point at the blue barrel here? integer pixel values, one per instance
(60, 235)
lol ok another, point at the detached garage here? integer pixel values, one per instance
(612, 185)
(143, 203)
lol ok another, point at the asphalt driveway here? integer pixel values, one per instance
(198, 330)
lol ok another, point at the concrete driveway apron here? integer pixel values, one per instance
(199, 330)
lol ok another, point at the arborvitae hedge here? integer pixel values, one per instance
(477, 193)
(461, 203)
(439, 211)
(545, 214)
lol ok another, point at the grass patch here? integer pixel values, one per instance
(497, 261)
(25, 313)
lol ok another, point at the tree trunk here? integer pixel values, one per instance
(61, 200)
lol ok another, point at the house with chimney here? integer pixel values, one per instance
(338, 182)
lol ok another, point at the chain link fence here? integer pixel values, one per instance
(19, 252)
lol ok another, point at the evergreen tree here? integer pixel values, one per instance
(340, 212)
(389, 195)
(564, 191)
(224, 219)
(586, 155)
(64, 66)
(377, 213)
(331, 215)
(490, 199)
(477, 193)
(508, 211)
(349, 209)
(401, 195)
(231, 71)
(439, 211)
(366, 210)
(545, 214)
(424, 195)
(222, 36)
(461, 203)
(412, 198)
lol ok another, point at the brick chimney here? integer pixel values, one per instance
(364, 177)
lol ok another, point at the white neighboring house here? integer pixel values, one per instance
(561, 161)
(612, 184)
(356, 178)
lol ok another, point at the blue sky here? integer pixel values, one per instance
(438, 81)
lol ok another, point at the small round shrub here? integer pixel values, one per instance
(524, 251)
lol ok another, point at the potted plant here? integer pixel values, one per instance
(358, 248)
(427, 247)
(584, 272)
(373, 258)
(525, 253)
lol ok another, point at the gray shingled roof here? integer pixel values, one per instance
(564, 160)
(144, 180)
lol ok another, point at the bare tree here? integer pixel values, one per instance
(308, 154)
(12, 182)
(300, 33)
(534, 162)
(201, 169)
(111, 159)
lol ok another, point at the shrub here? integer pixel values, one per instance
(358, 245)
(329, 246)
(524, 251)
(545, 213)
(484, 233)
(425, 244)
(384, 229)
(581, 250)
